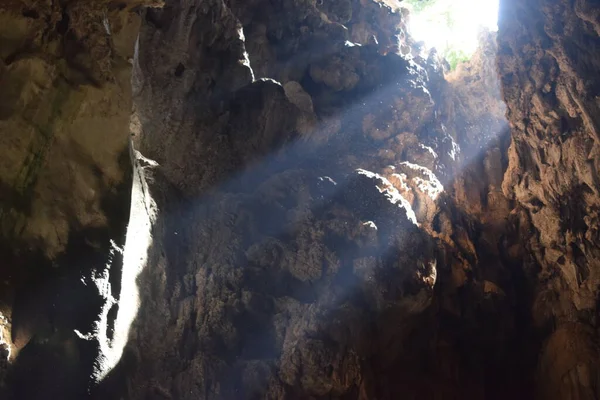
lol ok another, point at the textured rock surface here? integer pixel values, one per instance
(64, 178)
(316, 211)
(278, 270)
(548, 61)
(64, 111)
(278, 263)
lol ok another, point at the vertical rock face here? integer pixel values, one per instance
(548, 61)
(299, 226)
(65, 106)
(317, 211)
(64, 181)
(275, 263)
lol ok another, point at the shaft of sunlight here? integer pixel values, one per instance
(451, 25)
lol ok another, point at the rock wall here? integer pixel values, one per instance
(548, 64)
(277, 261)
(303, 245)
(65, 177)
(66, 98)
(317, 210)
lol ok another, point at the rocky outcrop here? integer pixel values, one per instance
(304, 246)
(277, 260)
(65, 70)
(65, 106)
(548, 64)
(317, 211)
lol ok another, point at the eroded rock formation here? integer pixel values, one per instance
(65, 72)
(548, 64)
(317, 211)
(281, 272)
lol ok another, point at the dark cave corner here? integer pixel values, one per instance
(310, 206)
(54, 299)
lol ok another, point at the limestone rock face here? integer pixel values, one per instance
(548, 62)
(63, 117)
(275, 261)
(65, 104)
(317, 209)
(302, 243)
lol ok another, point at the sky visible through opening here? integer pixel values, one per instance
(451, 26)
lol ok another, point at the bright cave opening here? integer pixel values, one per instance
(451, 27)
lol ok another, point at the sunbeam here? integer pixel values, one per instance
(386, 165)
(135, 257)
(452, 26)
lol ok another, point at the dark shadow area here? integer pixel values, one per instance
(52, 299)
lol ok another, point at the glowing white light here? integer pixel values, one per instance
(453, 24)
(3, 342)
(143, 214)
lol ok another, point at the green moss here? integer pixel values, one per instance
(455, 57)
(444, 16)
(419, 5)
